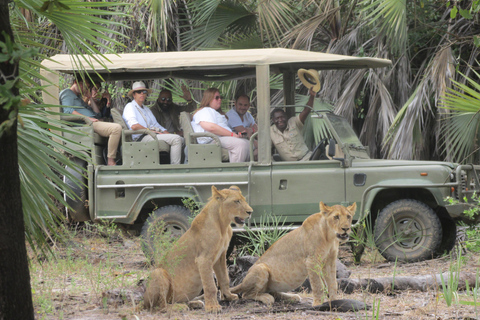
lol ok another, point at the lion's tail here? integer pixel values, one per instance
(157, 290)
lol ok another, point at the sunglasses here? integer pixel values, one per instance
(166, 99)
(218, 97)
(141, 91)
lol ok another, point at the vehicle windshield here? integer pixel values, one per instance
(345, 132)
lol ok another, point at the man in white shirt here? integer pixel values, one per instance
(137, 116)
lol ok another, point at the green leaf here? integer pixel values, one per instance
(466, 14)
(476, 41)
(453, 12)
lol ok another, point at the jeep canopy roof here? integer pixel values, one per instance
(215, 65)
(211, 65)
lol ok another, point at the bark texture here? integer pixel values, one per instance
(15, 291)
(417, 283)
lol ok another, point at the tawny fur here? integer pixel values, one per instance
(311, 250)
(199, 252)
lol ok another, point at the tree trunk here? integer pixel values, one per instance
(417, 283)
(15, 291)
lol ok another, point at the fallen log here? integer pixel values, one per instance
(418, 283)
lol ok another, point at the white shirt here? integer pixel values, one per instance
(208, 114)
(134, 114)
(234, 119)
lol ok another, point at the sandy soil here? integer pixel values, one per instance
(64, 290)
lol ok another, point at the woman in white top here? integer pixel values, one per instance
(209, 117)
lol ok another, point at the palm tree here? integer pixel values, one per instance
(30, 185)
(395, 111)
(461, 127)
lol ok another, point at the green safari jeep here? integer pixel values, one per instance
(405, 200)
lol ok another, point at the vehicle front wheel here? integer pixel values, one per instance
(407, 230)
(163, 225)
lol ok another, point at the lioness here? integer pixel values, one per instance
(310, 250)
(198, 253)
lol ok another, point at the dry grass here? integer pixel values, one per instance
(97, 277)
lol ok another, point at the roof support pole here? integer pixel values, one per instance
(289, 92)
(263, 115)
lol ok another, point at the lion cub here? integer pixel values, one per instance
(198, 253)
(310, 250)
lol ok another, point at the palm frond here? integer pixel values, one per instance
(274, 18)
(390, 16)
(42, 157)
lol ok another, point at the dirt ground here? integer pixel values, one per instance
(99, 277)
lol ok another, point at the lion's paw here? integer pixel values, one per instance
(213, 308)
(196, 304)
(231, 297)
(316, 302)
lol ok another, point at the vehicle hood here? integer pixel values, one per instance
(399, 163)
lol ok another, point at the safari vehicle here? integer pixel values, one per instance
(405, 200)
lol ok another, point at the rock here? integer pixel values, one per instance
(128, 244)
(342, 305)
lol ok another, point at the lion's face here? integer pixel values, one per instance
(235, 205)
(339, 219)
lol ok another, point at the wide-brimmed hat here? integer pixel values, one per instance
(310, 79)
(139, 85)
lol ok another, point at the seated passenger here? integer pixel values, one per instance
(239, 119)
(138, 117)
(287, 135)
(103, 99)
(209, 117)
(74, 104)
(167, 113)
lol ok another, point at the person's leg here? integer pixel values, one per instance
(113, 132)
(238, 148)
(176, 144)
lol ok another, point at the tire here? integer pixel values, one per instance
(78, 212)
(407, 230)
(175, 221)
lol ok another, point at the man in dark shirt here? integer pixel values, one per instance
(167, 113)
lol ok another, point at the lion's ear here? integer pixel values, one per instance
(234, 188)
(353, 207)
(324, 208)
(217, 194)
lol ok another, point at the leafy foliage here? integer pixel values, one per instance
(269, 229)
(42, 154)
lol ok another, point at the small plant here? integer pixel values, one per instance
(375, 311)
(362, 237)
(162, 243)
(394, 274)
(473, 211)
(193, 206)
(269, 229)
(450, 286)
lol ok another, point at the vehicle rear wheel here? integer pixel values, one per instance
(407, 230)
(78, 212)
(164, 224)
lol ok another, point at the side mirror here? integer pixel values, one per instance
(331, 148)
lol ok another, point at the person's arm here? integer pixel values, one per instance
(218, 130)
(306, 111)
(93, 104)
(79, 114)
(239, 129)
